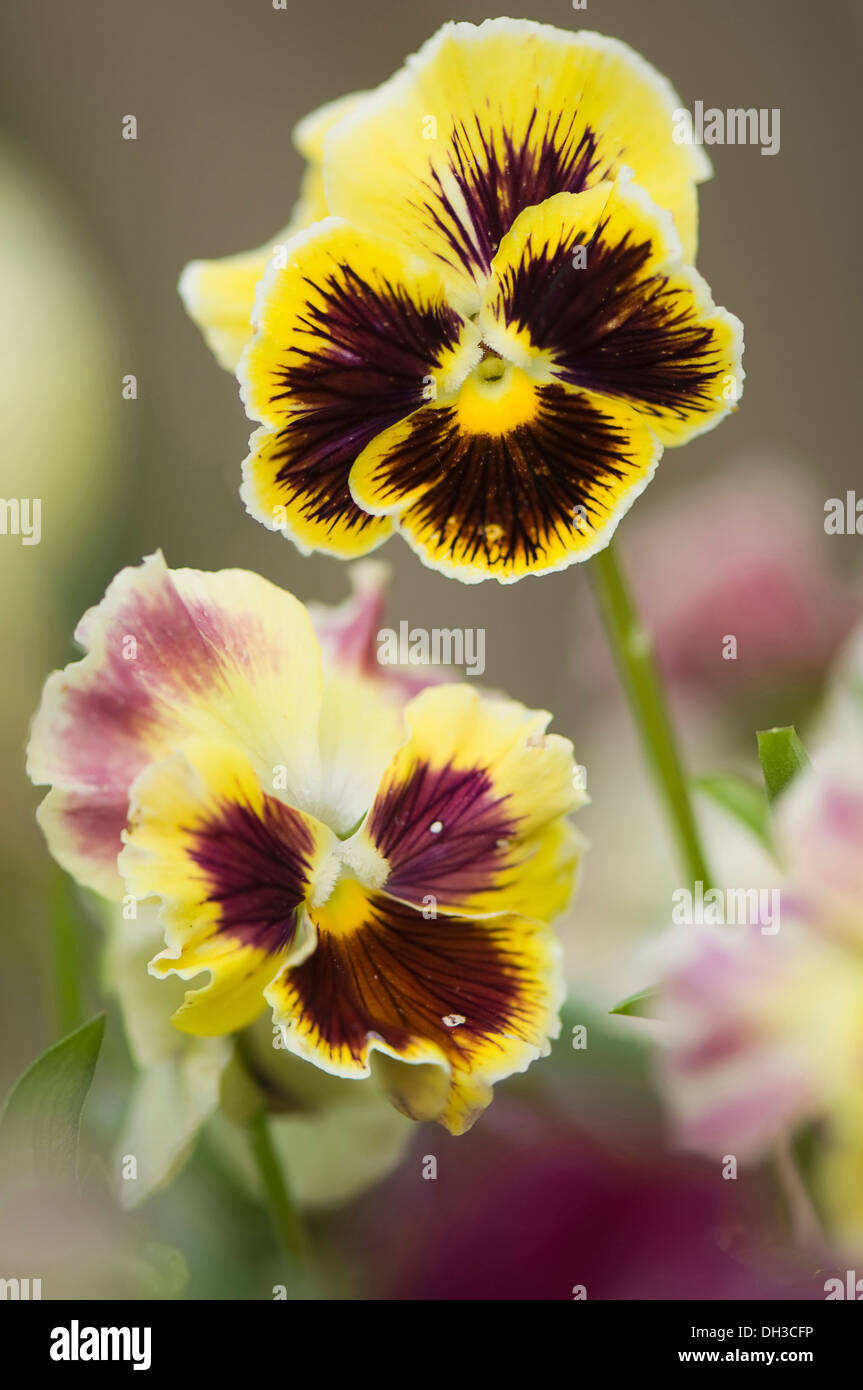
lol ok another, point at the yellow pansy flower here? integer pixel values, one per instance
(491, 337)
(381, 875)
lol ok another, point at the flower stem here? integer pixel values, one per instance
(632, 646)
(285, 1216)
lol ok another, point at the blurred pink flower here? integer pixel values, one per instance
(742, 554)
(764, 1032)
(748, 1039)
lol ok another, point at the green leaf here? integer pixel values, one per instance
(743, 799)
(782, 756)
(41, 1120)
(636, 1005)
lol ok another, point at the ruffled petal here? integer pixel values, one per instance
(469, 815)
(351, 337)
(487, 120)
(171, 654)
(235, 869)
(511, 478)
(589, 290)
(296, 483)
(477, 999)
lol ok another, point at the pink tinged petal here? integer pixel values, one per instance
(820, 833)
(738, 1069)
(719, 1045)
(349, 634)
(84, 836)
(748, 1120)
(169, 654)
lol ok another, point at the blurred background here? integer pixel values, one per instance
(728, 540)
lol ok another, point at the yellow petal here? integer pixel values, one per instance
(487, 120)
(352, 335)
(234, 867)
(469, 815)
(589, 289)
(477, 999)
(513, 477)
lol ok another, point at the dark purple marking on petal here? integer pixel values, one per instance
(369, 350)
(609, 327)
(399, 976)
(463, 854)
(257, 869)
(498, 175)
(501, 499)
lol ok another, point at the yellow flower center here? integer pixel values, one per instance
(346, 909)
(496, 397)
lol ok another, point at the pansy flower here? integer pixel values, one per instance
(488, 342)
(380, 876)
(333, 1139)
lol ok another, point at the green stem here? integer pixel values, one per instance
(632, 646)
(286, 1218)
